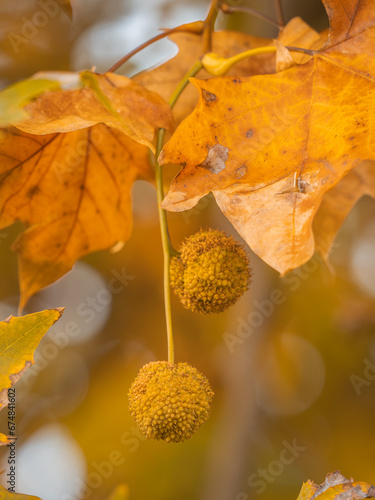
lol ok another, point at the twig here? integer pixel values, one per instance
(228, 9)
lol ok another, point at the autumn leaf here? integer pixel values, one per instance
(164, 78)
(7, 495)
(72, 190)
(19, 337)
(297, 33)
(339, 201)
(270, 146)
(114, 100)
(336, 487)
(14, 98)
(4, 440)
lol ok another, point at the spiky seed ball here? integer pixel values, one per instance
(211, 273)
(170, 401)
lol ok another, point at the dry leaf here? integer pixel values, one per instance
(4, 440)
(19, 337)
(338, 202)
(13, 99)
(165, 77)
(336, 487)
(7, 495)
(297, 33)
(290, 137)
(112, 99)
(284, 59)
(72, 190)
(73, 193)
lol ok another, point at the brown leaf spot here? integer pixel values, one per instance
(249, 133)
(208, 96)
(215, 159)
(33, 191)
(241, 171)
(13, 378)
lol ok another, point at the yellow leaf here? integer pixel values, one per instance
(336, 487)
(165, 77)
(114, 100)
(307, 491)
(4, 440)
(7, 495)
(338, 202)
(270, 146)
(19, 337)
(13, 99)
(72, 190)
(297, 33)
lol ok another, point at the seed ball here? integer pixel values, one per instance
(211, 273)
(170, 401)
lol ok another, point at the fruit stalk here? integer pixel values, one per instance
(168, 249)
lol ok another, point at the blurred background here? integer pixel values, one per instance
(292, 364)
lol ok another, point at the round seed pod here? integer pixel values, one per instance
(170, 401)
(211, 273)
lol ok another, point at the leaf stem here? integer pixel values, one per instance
(182, 84)
(168, 249)
(217, 65)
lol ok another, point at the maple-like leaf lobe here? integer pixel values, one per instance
(131, 109)
(291, 137)
(73, 193)
(336, 487)
(19, 337)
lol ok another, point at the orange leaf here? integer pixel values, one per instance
(5, 440)
(348, 19)
(131, 109)
(338, 202)
(7, 495)
(336, 487)
(165, 77)
(269, 147)
(297, 33)
(72, 190)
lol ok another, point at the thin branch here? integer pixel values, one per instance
(279, 13)
(209, 24)
(154, 39)
(228, 9)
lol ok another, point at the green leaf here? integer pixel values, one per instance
(19, 337)
(14, 98)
